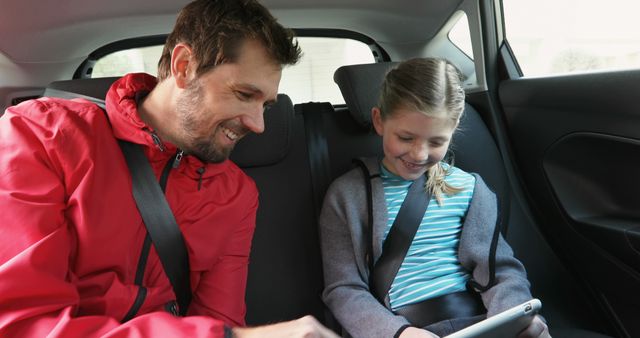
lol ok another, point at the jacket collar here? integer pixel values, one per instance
(122, 110)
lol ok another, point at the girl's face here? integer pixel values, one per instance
(412, 141)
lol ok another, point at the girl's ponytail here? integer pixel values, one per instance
(436, 183)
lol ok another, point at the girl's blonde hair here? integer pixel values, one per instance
(432, 86)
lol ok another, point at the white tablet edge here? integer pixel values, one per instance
(527, 309)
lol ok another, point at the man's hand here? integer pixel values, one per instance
(414, 332)
(305, 327)
(537, 329)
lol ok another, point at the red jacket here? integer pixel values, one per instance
(71, 236)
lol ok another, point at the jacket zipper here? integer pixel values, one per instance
(173, 162)
(200, 173)
(177, 158)
(157, 140)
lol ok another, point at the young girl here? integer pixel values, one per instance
(419, 109)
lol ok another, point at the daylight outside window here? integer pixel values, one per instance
(312, 78)
(566, 36)
(134, 60)
(309, 80)
(459, 35)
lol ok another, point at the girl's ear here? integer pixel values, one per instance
(376, 118)
(181, 62)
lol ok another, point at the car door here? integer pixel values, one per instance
(573, 139)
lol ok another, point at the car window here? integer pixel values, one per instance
(311, 79)
(133, 60)
(566, 36)
(459, 35)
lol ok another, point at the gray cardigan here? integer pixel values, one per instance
(342, 222)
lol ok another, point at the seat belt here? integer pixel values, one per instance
(368, 232)
(317, 148)
(399, 239)
(394, 250)
(63, 94)
(160, 222)
(318, 156)
(156, 214)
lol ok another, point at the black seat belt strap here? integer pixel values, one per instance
(50, 92)
(368, 255)
(160, 222)
(318, 156)
(156, 214)
(317, 148)
(399, 239)
(492, 258)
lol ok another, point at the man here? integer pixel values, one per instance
(74, 261)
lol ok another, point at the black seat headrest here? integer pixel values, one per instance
(270, 147)
(360, 87)
(265, 149)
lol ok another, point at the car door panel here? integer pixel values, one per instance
(576, 143)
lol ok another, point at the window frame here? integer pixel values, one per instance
(85, 69)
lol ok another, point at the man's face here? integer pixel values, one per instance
(221, 106)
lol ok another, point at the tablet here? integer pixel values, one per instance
(506, 324)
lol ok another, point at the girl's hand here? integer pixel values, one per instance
(414, 332)
(537, 329)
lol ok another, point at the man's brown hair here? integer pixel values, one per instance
(215, 29)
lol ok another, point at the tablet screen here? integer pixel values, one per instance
(505, 324)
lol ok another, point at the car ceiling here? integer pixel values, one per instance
(59, 31)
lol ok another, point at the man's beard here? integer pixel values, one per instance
(208, 152)
(202, 147)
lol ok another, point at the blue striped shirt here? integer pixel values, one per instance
(431, 267)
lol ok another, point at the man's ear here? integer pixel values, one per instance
(376, 118)
(182, 64)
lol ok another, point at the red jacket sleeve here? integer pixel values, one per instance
(224, 285)
(37, 297)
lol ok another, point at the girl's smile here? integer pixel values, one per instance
(412, 141)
